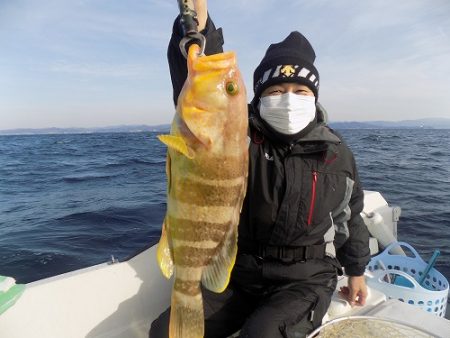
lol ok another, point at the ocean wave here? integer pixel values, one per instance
(88, 177)
(371, 138)
(113, 216)
(438, 153)
(156, 160)
(28, 265)
(382, 137)
(134, 161)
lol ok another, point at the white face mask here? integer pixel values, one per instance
(288, 113)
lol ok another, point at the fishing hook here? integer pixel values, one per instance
(189, 23)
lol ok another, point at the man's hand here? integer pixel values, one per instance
(356, 291)
(201, 8)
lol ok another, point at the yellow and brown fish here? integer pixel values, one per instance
(207, 166)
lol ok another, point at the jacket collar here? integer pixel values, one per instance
(320, 134)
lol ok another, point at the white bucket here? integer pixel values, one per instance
(386, 266)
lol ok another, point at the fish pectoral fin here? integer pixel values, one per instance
(216, 275)
(177, 143)
(164, 253)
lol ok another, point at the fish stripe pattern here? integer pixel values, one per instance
(189, 288)
(191, 256)
(227, 168)
(206, 214)
(203, 244)
(201, 194)
(217, 182)
(192, 230)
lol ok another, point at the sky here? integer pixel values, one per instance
(75, 63)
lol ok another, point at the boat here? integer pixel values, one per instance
(121, 299)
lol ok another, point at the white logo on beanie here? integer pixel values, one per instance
(290, 71)
(303, 72)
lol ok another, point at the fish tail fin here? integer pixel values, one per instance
(186, 312)
(164, 253)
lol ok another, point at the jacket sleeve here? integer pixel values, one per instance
(177, 62)
(354, 254)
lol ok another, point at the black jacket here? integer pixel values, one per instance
(299, 193)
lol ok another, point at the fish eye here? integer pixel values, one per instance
(232, 88)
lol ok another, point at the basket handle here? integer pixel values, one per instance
(400, 244)
(380, 275)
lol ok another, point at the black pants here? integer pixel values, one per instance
(266, 299)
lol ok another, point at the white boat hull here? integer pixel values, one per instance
(107, 300)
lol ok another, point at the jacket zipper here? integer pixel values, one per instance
(313, 197)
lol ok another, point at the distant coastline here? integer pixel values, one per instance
(111, 129)
(430, 123)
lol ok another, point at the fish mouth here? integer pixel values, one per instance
(218, 61)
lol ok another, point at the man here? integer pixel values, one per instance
(301, 217)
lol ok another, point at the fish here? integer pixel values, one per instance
(207, 170)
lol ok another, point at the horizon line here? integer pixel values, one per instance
(168, 124)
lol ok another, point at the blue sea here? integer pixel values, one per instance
(69, 201)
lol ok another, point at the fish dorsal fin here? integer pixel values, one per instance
(164, 253)
(216, 275)
(177, 143)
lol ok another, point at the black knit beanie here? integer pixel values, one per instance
(290, 60)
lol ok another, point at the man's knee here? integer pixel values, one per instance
(298, 329)
(272, 328)
(160, 326)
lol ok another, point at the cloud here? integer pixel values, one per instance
(375, 58)
(132, 22)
